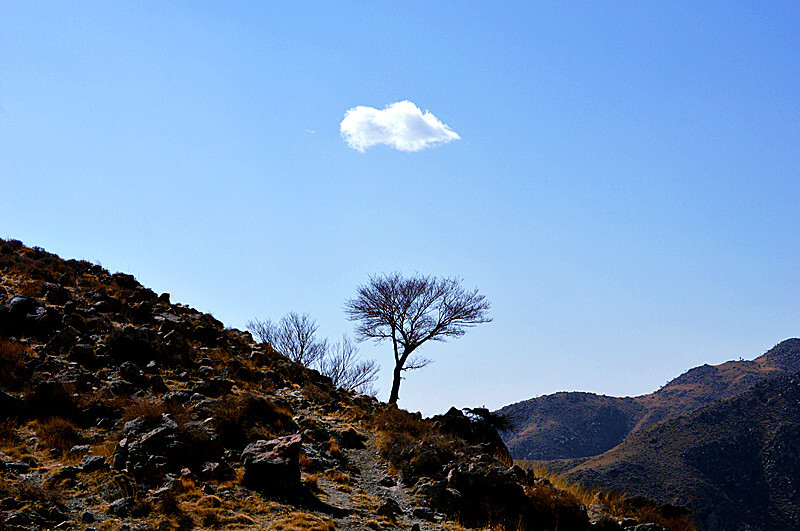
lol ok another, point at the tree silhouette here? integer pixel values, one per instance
(411, 311)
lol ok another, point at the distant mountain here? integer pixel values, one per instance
(735, 462)
(573, 425)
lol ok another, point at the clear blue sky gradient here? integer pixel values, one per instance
(624, 191)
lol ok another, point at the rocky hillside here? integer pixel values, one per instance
(120, 409)
(735, 462)
(572, 425)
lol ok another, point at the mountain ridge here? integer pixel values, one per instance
(735, 462)
(570, 425)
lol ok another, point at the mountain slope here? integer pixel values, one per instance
(734, 462)
(572, 425)
(122, 410)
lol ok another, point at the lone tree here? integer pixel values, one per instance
(411, 311)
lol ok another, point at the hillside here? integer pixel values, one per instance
(573, 425)
(735, 462)
(120, 409)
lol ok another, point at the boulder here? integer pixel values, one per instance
(90, 463)
(390, 509)
(273, 466)
(10, 405)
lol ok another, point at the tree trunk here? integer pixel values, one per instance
(395, 394)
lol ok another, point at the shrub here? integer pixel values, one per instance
(8, 432)
(58, 433)
(411, 444)
(12, 365)
(240, 418)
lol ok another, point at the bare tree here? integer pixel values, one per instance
(293, 336)
(343, 366)
(411, 311)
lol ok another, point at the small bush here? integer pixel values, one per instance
(210, 518)
(31, 288)
(411, 444)
(58, 433)
(13, 356)
(27, 490)
(239, 419)
(8, 432)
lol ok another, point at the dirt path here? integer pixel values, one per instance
(367, 494)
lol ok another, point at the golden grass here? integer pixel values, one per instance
(31, 288)
(614, 503)
(8, 433)
(13, 356)
(57, 432)
(297, 521)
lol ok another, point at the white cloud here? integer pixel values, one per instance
(401, 125)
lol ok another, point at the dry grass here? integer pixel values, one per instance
(297, 521)
(25, 490)
(8, 433)
(312, 482)
(13, 356)
(343, 481)
(238, 419)
(614, 503)
(59, 433)
(334, 449)
(149, 408)
(31, 288)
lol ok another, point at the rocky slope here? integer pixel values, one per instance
(735, 462)
(572, 425)
(122, 410)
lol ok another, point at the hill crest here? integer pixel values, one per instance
(552, 427)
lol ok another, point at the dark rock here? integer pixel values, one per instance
(126, 281)
(50, 398)
(206, 371)
(79, 450)
(90, 463)
(273, 466)
(9, 504)
(475, 429)
(82, 353)
(350, 438)
(63, 340)
(10, 405)
(18, 468)
(214, 387)
(55, 294)
(387, 481)
(133, 343)
(68, 471)
(130, 372)
(216, 470)
(122, 506)
(389, 509)
(20, 306)
(156, 384)
(177, 397)
(423, 513)
(87, 517)
(117, 388)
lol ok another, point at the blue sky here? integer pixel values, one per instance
(624, 188)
